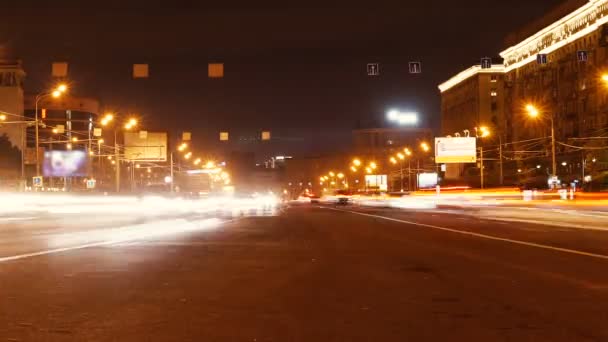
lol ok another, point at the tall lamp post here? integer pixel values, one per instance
(533, 112)
(131, 123)
(481, 132)
(57, 92)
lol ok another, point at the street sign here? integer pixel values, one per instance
(582, 55)
(91, 183)
(224, 136)
(37, 181)
(141, 71)
(486, 63)
(415, 67)
(151, 146)
(186, 136)
(266, 135)
(97, 132)
(541, 58)
(456, 150)
(60, 69)
(373, 69)
(60, 129)
(43, 113)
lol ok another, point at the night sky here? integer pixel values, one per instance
(298, 71)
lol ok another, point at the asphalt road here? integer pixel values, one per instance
(305, 274)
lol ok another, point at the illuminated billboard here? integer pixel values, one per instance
(151, 146)
(379, 182)
(455, 150)
(64, 164)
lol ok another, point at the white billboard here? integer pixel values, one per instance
(151, 146)
(379, 182)
(456, 150)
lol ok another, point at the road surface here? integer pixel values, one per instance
(306, 273)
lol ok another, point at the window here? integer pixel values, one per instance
(493, 93)
(494, 106)
(493, 78)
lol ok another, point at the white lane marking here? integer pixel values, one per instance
(484, 236)
(56, 250)
(116, 241)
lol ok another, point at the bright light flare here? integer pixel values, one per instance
(532, 111)
(357, 162)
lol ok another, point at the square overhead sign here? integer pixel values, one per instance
(186, 136)
(541, 58)
(415, 67)
(266, 135)
(215, 70)
(486, 63)
(141, 71)
(224, 136)
(455, 150)
(60, 69)
(373, 69)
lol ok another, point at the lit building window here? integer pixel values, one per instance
(493, 93)
(493, 78)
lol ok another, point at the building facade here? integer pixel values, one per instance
(561, 69)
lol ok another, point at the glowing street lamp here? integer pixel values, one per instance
(353, 169)
(373, 165)
(407, 151)
(57, 92)
(533, 112)
(188, 155)
(197, 161)
(393, 160)
(357, 162)
(368, 170)
(340, 175)
(2, 117)
(400, 156)
(331, 174)
(425, 147)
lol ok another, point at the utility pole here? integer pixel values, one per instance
(171, 173)
(502, 178)
(409, 175)
(481, 164)
(116, 156)
(554, 163)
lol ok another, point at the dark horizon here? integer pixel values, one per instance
(298, 72)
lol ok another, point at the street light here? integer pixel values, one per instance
(534, 113)
(340, 175)
(2, 117)
(481, 132)
(331, 174)
(373, 165)
(425, 147)
(357, 162)
(58, 91)
(353, 169)
(400, 156)
(393, 160)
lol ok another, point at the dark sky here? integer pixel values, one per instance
(297, 70)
